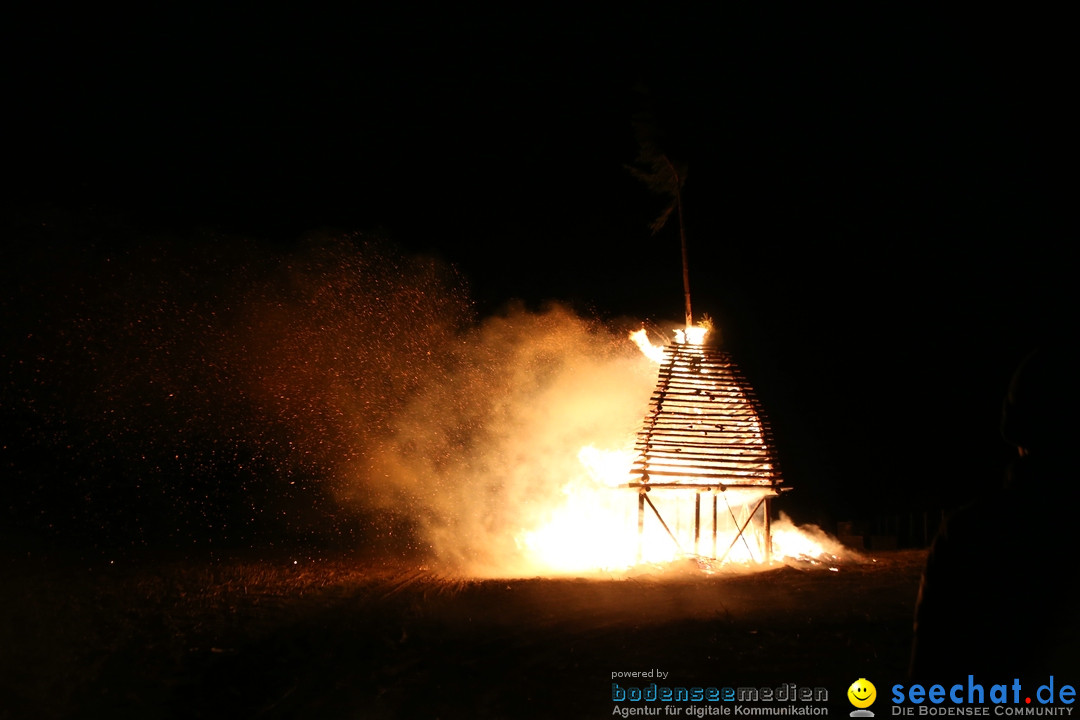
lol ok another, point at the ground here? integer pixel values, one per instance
(369, 639)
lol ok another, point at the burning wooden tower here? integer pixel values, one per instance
(705, 435)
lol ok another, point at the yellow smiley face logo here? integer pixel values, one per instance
(862, 693)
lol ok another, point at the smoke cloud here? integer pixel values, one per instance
(483, 451)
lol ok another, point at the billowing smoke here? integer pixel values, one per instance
(484, 451)
(213, 392)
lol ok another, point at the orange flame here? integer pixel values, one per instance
(653, 352)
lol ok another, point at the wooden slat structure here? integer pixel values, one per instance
(705, 434)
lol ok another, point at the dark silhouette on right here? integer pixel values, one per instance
(998, 597)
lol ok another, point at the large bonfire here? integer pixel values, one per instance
(603, 524)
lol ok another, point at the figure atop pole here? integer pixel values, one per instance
(664, 177)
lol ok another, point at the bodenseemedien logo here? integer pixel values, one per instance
(678, 700)
(862, 694)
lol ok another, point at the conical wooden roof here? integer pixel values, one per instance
(705, 428)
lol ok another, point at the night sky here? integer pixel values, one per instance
(876, 206)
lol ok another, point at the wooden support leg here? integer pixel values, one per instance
(697, 522)
(714, 526)
(768, 530)
(640, 524)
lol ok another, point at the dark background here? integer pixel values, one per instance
(877, 205)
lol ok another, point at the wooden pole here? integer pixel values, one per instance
(685, 264)
(682, 239)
